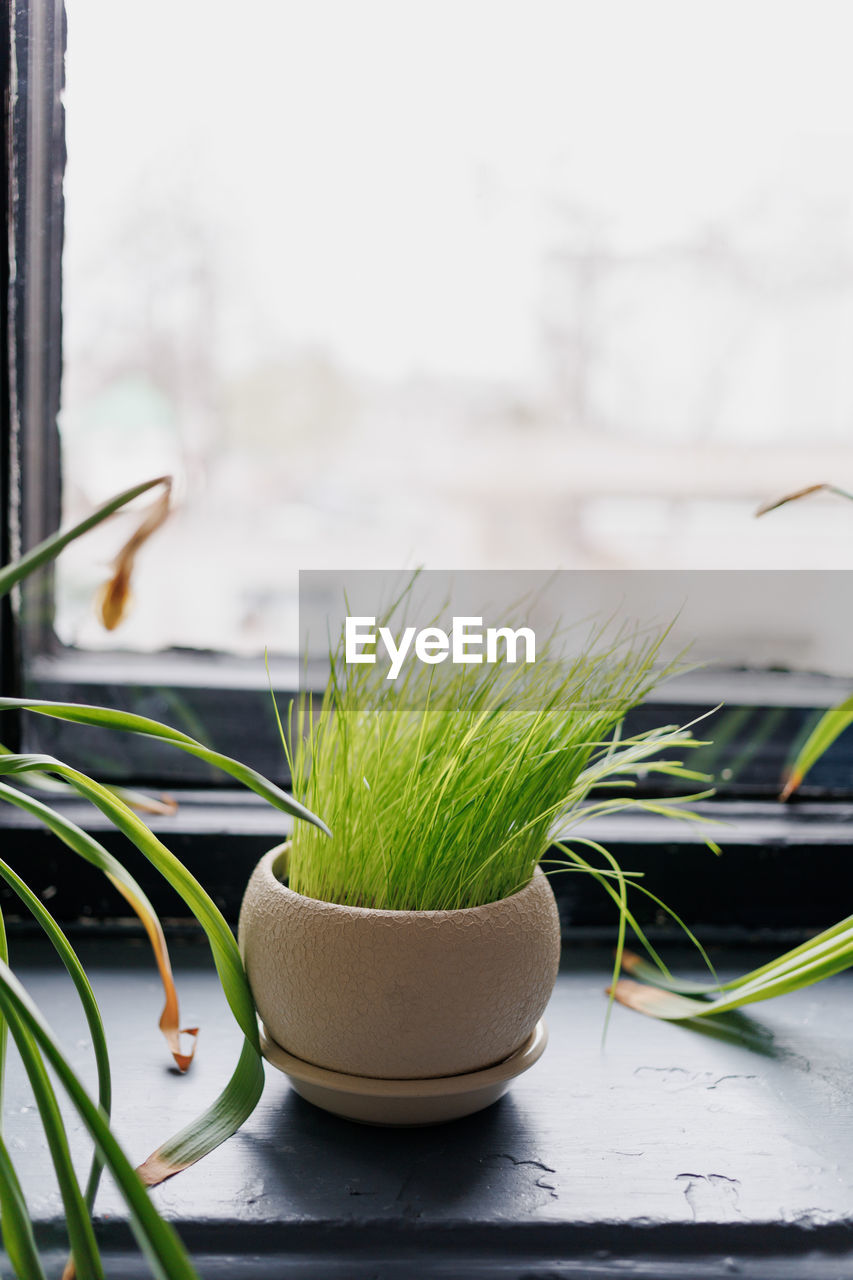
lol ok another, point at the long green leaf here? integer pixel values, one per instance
(4, 1030)
(142, 801)
(87, 847)
(50, 548)
(17, 1228)
(241, 1095)
(224, 948)
(639, 968)
(157, 1238)
(84, 1248)
(77, 973)
(107, 718)
(214, 1126)
(15, 1223)
(828, 728)
(828, 954)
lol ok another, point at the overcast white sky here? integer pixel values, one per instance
(357, 156)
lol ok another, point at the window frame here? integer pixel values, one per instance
(220, 696)
(33, 167)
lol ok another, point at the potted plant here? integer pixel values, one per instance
(401, 965)
(525, 762)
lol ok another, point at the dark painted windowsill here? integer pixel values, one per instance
(785, 871)
(667, 1153)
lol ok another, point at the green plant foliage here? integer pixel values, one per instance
(127, 722)
(15, 1222)
(49, 549)
(238, 1100)
(829, 727)
(18, 1236)
(35, 1043)
(446, 793)
(675, 1000)
(218, 1122)
(77, 973)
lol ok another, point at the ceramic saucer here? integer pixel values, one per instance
(404, 1102)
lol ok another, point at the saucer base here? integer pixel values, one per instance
(404, 1102)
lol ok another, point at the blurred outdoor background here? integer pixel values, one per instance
(461, 283)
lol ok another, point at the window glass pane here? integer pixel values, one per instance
(547, 285)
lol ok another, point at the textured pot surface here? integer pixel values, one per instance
(398, 994)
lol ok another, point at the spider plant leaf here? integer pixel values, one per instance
(108, 718)
(115, 596)
(241, 1094)
(830, 726)
(15, 1224)
(17, 1228)
(223, 1118)
(81, 1235)
(802, 493)
(92, 1013)
(224, 948)
(640, 969)
(4, 1030)
(163, 805)
(141, 801)
(829, 938)
(50, 548)
(158, 1239)
(654, 1002)
(821, 957)
(87, 847)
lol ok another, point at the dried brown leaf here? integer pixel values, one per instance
(792, 497)
(652, 1001)
(113, 599)
(170, 1017)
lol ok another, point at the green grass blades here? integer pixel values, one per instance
(106, 718)
(241, 1095)
(626, 881)
(821, 957)
(157, 1239)
(446, 792)
(40, 555)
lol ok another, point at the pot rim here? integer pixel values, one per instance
(266, 867)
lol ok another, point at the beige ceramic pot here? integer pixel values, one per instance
(397, 995)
